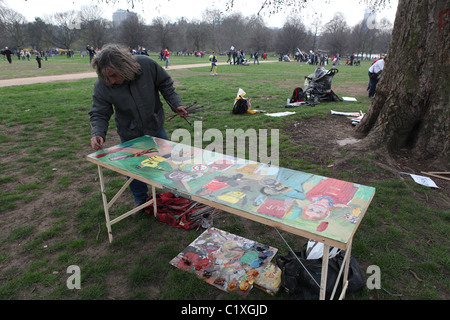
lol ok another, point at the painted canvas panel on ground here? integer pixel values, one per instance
(319, 205)
(226, 261)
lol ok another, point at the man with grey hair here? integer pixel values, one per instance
(129, 86)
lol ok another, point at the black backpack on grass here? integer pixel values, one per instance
(297, 95)
(301, 284)
(240, 106)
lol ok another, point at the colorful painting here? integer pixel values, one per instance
(227, 261)
(269, 280)
(324, 208)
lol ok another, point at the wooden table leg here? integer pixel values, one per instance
(105, 203)
(346, 269)
(154, 201)
(323, 281)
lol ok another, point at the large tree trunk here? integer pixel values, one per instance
(411, 107)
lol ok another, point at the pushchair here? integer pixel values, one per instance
(318, 85)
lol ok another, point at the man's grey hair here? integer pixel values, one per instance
(118, 59)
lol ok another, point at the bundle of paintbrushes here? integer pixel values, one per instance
(192, 108)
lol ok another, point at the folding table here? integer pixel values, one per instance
(322, 209)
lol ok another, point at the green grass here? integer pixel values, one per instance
(51, 213)
(77, 63)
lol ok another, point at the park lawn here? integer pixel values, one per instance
(51, 213)
(61, 64)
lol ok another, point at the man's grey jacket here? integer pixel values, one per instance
(137, 105)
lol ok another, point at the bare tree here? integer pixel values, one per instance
(214, 19)
(316, 29)
(96, 31)
(366, 41)
(259, 36)
(132, 32)
(37, 35)
(161, 33)
(335, 35)
(12, 27)
(292, 36)
(180, 36)
(64, 31)
(197, 34)
(234, 27)
(384, 36)
(3, 33)
(362, 39)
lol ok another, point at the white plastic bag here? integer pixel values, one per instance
(314, 250)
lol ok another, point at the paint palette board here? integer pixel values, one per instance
(226, 261)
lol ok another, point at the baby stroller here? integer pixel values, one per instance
(318, 85)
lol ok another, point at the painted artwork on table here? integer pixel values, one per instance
(226, 261)
(321, 206)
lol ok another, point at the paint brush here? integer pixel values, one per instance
(189, 109)
(191, 105)
(177, 113)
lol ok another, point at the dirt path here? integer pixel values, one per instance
(86, 75)
(46, 79)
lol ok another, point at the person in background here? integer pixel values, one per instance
(91, 52)
(166, 55)
(8, 54)
(213, 60)
(38, 59)
(375, 75)
(256, 58)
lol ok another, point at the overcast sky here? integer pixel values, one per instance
(353, 10)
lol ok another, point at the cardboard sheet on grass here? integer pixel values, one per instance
(355, 117)
(229, 262)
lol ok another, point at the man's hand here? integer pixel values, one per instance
(97, 143)
(182, 111)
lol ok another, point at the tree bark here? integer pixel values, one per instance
(411, 107)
